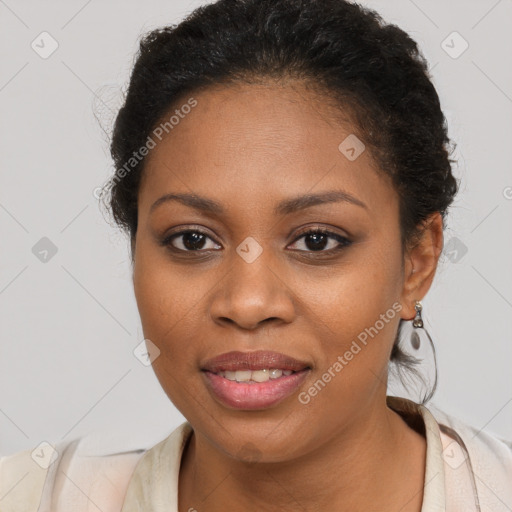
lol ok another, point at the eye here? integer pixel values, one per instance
(190, 240)
(316, 240)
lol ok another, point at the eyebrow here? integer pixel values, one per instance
(285, 207)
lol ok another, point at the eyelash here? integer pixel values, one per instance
(343, 241)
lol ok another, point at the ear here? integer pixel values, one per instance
(421, 264)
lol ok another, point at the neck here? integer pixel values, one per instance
(377, 459)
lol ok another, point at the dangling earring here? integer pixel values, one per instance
(417, 323)
(416, 371)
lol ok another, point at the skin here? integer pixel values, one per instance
(249, 147)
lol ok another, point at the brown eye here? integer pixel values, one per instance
(191, 240)
(317, 240)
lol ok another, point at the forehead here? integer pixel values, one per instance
(271, 140)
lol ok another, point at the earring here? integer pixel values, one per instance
(417, 323)
(417, 346)
(419, 354)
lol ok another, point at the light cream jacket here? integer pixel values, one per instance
(466, 471)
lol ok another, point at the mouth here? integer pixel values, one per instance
(254, 389)
(253, 380)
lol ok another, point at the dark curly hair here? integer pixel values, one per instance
(372, 70)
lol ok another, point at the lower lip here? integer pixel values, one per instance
(254, 395)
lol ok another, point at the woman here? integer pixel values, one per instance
(283, 174)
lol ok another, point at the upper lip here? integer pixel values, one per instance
(258, 360)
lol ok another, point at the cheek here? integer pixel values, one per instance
(166, 297)
(356, 312)
(166, 300)
(355, 295)
(353, 363)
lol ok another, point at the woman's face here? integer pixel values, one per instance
(253, 280)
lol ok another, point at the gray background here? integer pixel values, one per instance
(69, 325)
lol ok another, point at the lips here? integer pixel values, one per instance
(253, 395)
(258, 360)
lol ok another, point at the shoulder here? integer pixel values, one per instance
(479, 442)
(21, 482)
(50, 477)
(484, 456)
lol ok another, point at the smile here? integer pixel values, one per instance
(241, 389)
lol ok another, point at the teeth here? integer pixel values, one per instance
(260, 375)
(243, 375)
(263, 375)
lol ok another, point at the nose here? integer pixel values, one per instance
(252, 294)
